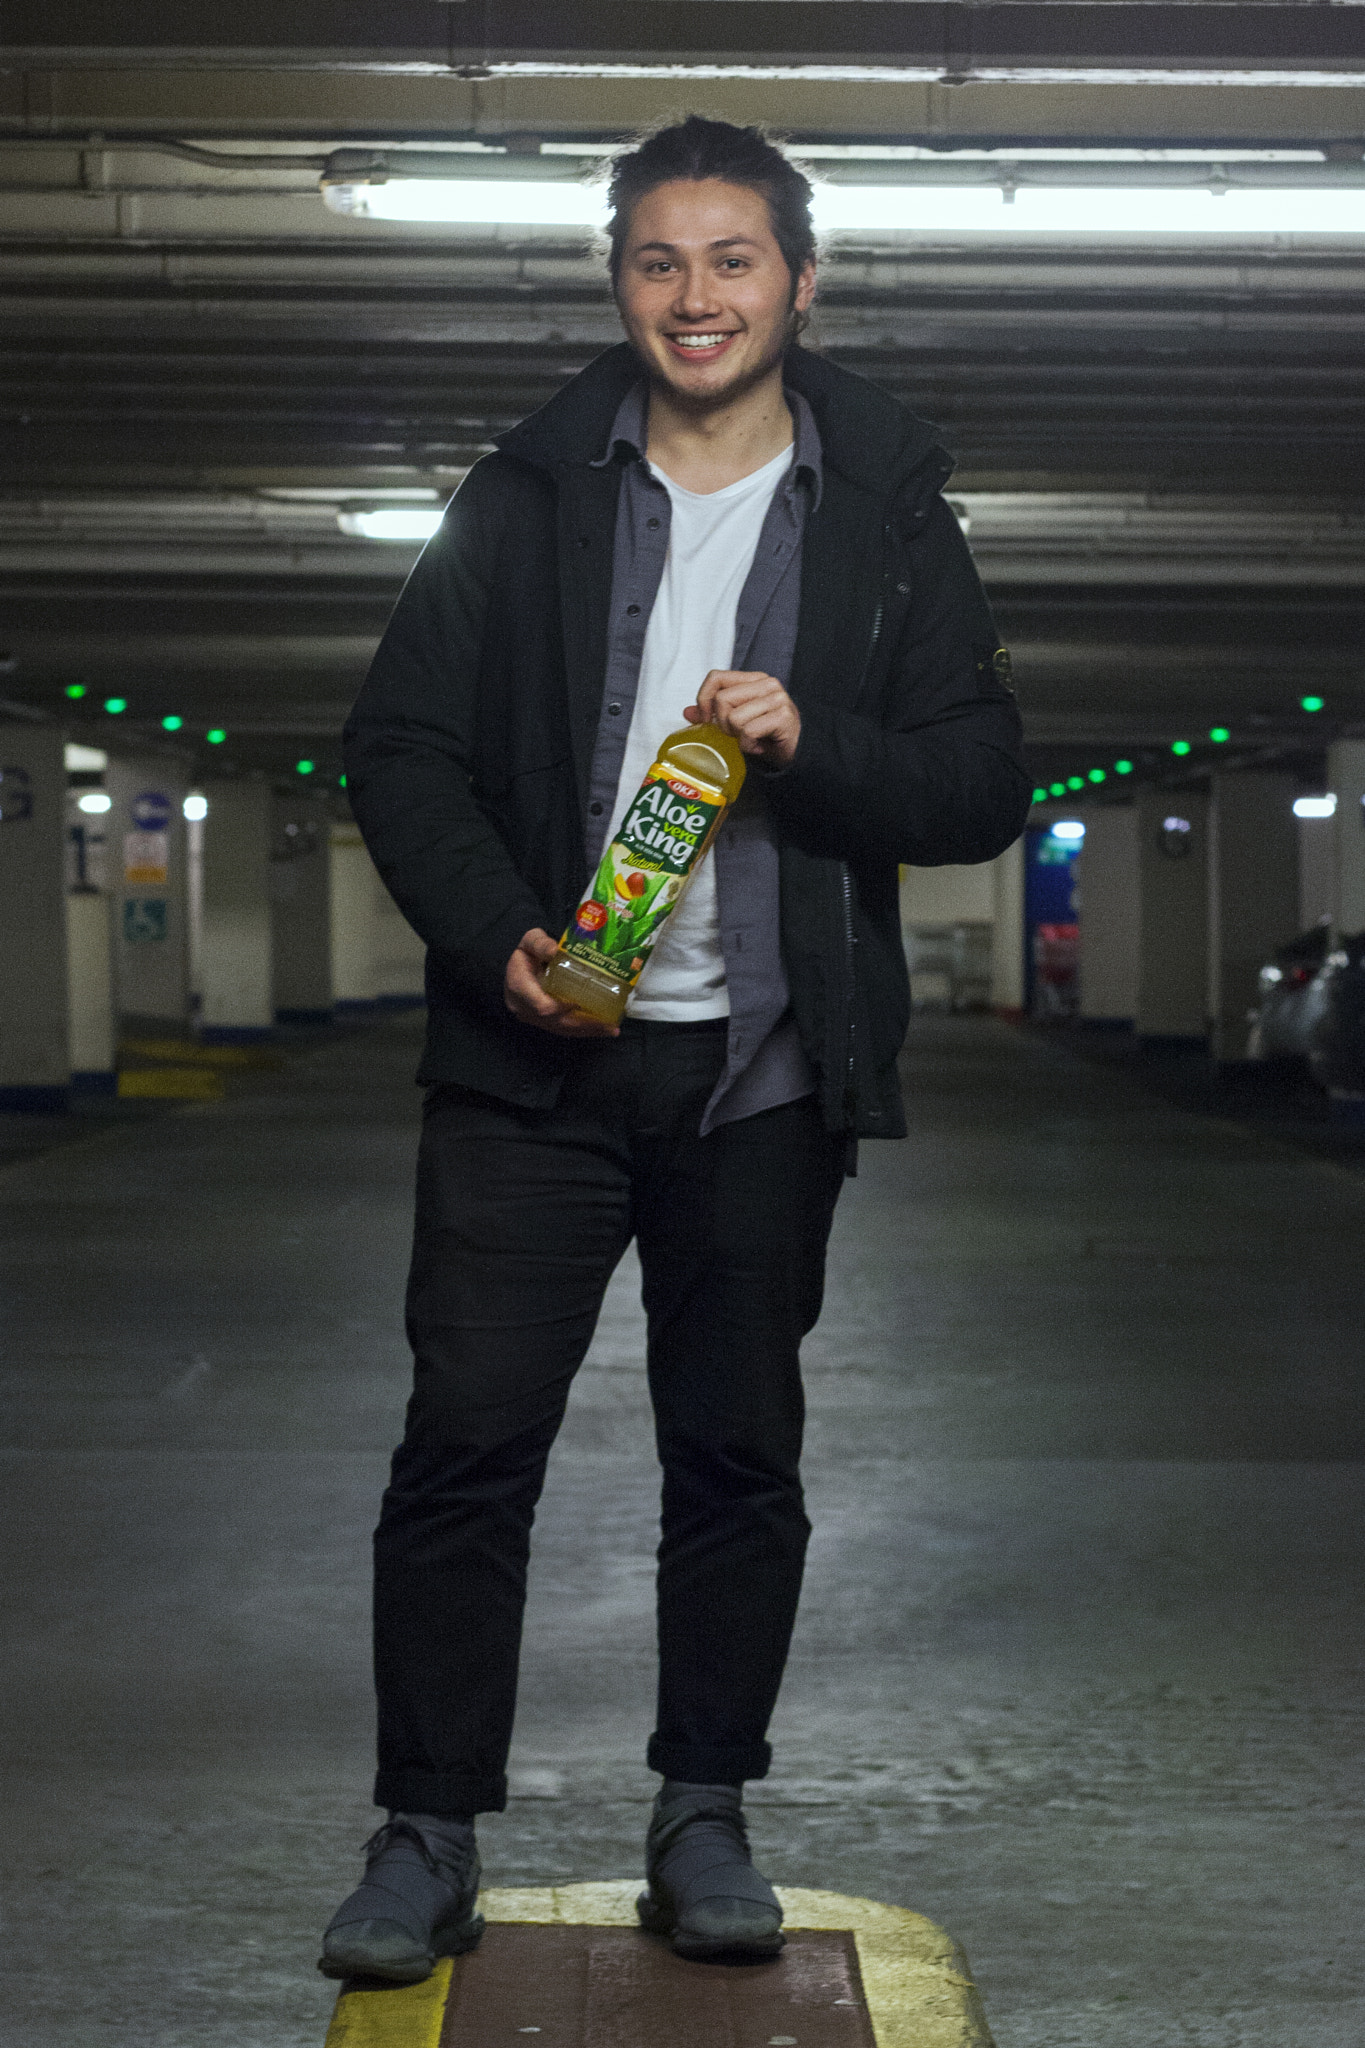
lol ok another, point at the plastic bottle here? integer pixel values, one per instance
(663, 837)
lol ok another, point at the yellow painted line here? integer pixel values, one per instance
(170, 1084)
(399, 2016)
(188, 1052)
(918, 1987)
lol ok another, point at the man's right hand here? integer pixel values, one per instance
(526, 998)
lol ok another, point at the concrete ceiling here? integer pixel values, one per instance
(1159, 443)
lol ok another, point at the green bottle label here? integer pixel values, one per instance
(642, 873)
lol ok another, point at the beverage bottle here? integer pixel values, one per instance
(664, 834)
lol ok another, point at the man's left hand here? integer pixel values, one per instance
(755, 708)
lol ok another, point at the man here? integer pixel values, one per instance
(707, 523)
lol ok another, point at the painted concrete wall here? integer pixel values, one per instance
(300, 907)
(1346, 775)
(1107, 899)
(92, 1031)
(1253, 895)
(146, 871)
(34, 1058)
(1172, 997)
(235, 969)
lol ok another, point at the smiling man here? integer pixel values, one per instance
(709, 522)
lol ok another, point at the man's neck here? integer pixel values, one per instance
(705, 451)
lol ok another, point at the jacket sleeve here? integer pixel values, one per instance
(939, 775)
(409, 746)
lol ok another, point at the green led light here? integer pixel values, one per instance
(75, 689)
(1039, 795)
(113, 705)
(1097, 775)
(1075, 782)
(1219, 733)
(172, 724)
(304, 767)
(1311, 703)
(216, 737)
(1180, 746)
(1059, 789)
(341, 784)
(1123, 767)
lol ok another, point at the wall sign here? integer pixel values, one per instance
(16, 796)
(144, 919)
(146, 857)
(152, 811)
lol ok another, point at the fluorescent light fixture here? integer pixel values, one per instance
(94, 801)
(1070, 830)
(1089, 210)
(195, 807)
(408, 522)
(490, 202)
(80, 759)
(1006, 209)
(1315, 806)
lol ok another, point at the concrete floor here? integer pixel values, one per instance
(1077, 1670)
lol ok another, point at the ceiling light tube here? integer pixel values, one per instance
(906, 208)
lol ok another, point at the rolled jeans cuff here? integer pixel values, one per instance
(694, 1765)
(401, 1791)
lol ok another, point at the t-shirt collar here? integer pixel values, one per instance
(629, 435)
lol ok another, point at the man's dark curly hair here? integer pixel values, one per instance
(698, 148)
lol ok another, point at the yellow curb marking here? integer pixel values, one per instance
(170, 1084)
(399, 2016)
(915, 1978)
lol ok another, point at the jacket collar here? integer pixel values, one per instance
(629, 435)
(866, 435)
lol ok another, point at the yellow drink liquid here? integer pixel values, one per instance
(663, 837)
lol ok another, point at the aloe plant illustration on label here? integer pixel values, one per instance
(664, 835)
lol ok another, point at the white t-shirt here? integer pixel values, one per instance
(711, 541)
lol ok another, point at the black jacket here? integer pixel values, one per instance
(467, 753)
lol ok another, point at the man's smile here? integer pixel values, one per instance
(706, 347)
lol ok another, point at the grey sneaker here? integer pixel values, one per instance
(415, 1903)
(704, 1892)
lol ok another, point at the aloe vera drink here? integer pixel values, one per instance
(663, 837)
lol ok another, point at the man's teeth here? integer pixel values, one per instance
(698, 340)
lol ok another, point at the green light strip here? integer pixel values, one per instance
(1219, 735)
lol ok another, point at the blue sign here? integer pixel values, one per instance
(152, 811)
(144, 918)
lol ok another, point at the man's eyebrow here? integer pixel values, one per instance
(721, 242)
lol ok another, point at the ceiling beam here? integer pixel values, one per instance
(823, 40)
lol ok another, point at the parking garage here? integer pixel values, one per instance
(1075, 1670)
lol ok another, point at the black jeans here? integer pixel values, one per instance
(522, 1216)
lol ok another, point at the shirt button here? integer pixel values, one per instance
(651, 523)
(596, 809)
(613, 709)
(632, 611)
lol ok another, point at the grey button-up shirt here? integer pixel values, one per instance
(765, 1065)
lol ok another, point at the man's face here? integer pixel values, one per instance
(704, 290)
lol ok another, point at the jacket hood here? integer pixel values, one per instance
(868, 436)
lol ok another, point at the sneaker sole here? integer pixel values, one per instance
(656, 1918)
(458, 1942)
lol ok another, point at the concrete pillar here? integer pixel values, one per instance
(235, 965)
(34, 1063)
(353, 893)
(1107, 901)
(145, 863)
(1317, 870)
(92, 1028)
(1172, 990)
(1346, 776)
(1008, 970)
(300, 909)
(1253, 895)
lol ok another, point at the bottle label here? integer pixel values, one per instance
(642, 873)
